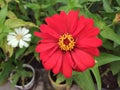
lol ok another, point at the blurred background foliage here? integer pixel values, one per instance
(31, 13)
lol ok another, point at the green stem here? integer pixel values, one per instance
(110, 25)
(23, 81)
(105, 73)
(6, 57)
(90, 5)
(31, 60)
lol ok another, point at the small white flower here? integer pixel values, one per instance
(19, 37)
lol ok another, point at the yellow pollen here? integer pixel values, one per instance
(19, 36)
(66, 42)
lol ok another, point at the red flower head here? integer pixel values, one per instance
(69, 42)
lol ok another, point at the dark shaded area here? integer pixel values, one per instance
(109, 81)
(27, 79)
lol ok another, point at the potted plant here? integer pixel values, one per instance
(23, 76)
(58, 82)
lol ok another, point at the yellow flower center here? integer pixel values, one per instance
(19, 36)
(66, 42)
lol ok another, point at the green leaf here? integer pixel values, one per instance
(14, 22)
(15, 79)
(96, 73)
(43, 6)
(69, 81)
(6, 68)
(7, 49)
(106, 6)
(61, 1)
(94, 0)
(72, 4)
(60, 78)
(2, 36)
(19, 53)
(105, 58)
(86, 1)
(65, 8)
(30, 49)
(107, 44)
(10, 14)
(115, 67)
(84, 80)
(18, 74)
(2, 4)
(3, 14)
(109, 33)
(118, 1)
(33, 6)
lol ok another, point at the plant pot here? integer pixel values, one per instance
(55, 85)
(30, 83)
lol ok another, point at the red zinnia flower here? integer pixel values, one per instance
(69, 42)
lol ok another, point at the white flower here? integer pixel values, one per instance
(19, 37)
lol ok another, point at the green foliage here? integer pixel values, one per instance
(3, 14)
(81, 79)
(105, 58)
(5, 69)
(106, 5)
(60, 78)
(19, 53)
(15, 22)
(19, 73)
(8, 50)
(97, 76)
(31, 13)
(115, 67)
(108, 33)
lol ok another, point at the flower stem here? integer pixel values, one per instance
(90, 5)
(110, 25)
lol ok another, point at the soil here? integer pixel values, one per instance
(26, 80)
(109, 81)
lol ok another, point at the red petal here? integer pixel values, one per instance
(85, 58)
(81, 68)
(82, 59)
(69, 58)
(79, 65)
(80, 26)
(43, 47)
(48, 53)
(89, 42)
(88, 25)
(92, 32)
(49, 40)
(64, 22)
(38, 34)
(46, 29)
(56, 68)
(66, 67)
(89, 32)
(72, 21)
(44, 35)
(51, 62)
(58, 23)
(91, 51)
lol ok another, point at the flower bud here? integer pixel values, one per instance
(117, 18)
